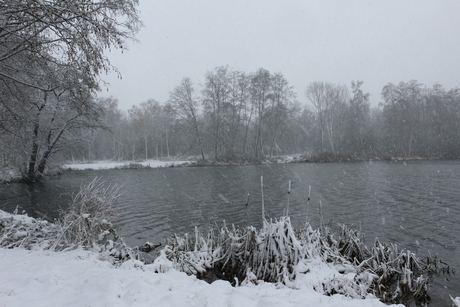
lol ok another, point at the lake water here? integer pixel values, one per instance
(415, 204)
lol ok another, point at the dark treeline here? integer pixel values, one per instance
(237, 116)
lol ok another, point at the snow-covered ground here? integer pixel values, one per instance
(112, 164)
(39, 276)
(80, 278)
(42, 277)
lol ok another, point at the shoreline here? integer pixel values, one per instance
(99, 165)
(14, 176)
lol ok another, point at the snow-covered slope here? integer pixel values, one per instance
(80, 278)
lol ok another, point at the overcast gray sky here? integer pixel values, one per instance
(336, 41)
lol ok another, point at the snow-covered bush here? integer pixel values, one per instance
(87, 223)
(275, 253)
(17, 230)
(278, 253)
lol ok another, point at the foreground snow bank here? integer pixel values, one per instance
(33, 275)
(112, 165)
(80, 278)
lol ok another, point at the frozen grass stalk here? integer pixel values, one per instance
(289, 195)
(263, 204)
(88, 221)
(321, 220)
(308, 203)
(278, 253)
(247, 208)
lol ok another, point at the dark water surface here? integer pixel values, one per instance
(415, 204)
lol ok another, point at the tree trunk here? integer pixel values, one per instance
(216, 141)
(43, 160)
(167, 143)
(198, 135)
(34, 152)
(246, 133)
(146, 150)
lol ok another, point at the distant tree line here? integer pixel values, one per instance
(237, 116)
(52, 56)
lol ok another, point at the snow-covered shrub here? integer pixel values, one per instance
(278, 253)
(275, 253)
(87, 223)
(18, 230)
(401, 276)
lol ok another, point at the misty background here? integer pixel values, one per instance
(231, 81)
(335, 41)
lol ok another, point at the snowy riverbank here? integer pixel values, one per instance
(125, 164)
(80, 278)
(14, 175)
(34, 275)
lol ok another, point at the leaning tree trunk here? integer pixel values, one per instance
(31, 175)
(34, 153)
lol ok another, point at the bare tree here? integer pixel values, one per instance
(239, 100)
(260, 97)
(357, 120)
(281, 99)
(186, 107)
(402, 106)
(216, 96)
(111, 143)
(53, 123)
(329, 102)
(143, 120)
(316, 92)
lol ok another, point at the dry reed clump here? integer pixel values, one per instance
(275, 253)
(87, 223)
(278, 253)
(401, 277)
